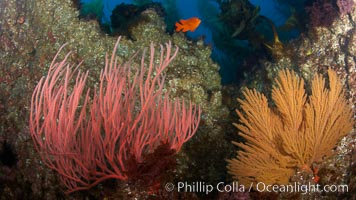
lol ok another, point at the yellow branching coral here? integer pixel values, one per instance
(295, 133)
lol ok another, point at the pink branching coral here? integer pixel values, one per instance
(345, 6)
(89, 140)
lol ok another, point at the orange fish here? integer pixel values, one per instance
(188, 24)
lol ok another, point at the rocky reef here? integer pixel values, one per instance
(316, 50)
(31, 33)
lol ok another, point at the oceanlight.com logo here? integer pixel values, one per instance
(202, 187)
(302, 188)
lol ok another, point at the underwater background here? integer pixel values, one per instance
(164, 125)
(215, 30)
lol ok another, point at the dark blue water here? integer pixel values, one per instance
(230, 70)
